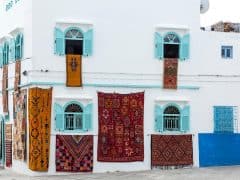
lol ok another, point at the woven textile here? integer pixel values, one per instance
(19, 130)
(39, 115)
(1, 140)
(17, 75)
(120, 127)
(8, 144)
(74, 153)
(74, 70)
(4, 89)
(172, 150)
(170, 73)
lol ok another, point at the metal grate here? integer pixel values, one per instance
(73, 121)
(171, 122)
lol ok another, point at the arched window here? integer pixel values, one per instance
(5, 53)
(73, 117)
(74, 41)
(171, 119)
(171, 45)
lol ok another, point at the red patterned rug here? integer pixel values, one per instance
(170, 73)
(172, 150)
(74, 153)
(120, 127)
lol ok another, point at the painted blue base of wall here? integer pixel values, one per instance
(219, 149)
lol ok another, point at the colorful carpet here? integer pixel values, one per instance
(20, 123)
(17, 74)
(39, 115)
(74, 70)
(8, 144)
(1, 140)
(4, 89)
(172, 150)
(120, 127)
(74, 153)
(170, 73)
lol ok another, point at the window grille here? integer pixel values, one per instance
(73, 117)
(171, 119)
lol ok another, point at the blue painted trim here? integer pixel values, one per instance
(109, 85)
(3, 139)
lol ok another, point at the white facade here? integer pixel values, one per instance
(123, 61)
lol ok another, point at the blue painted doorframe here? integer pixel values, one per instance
(219, 149)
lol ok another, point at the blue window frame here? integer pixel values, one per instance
(73, 117)
(227, 52)
(172, 118)
(224, 119)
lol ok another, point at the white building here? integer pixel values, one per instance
(123, 46)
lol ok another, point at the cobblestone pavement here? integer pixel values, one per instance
(221, 173)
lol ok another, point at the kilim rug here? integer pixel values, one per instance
(4, 89)
(170, 73)
(1, 140)
(17, 74)
(172, 150)
(39, 115)
(74, 70)
(120, 136)
(74, 153)
(8, 144)
(20, 123)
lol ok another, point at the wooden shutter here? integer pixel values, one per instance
(59, 117)
(87, 117)
(185, 119)
(185, 47)
(158, 43)
(158, 118)
(88, 43)
(12, 50)
(59, 42)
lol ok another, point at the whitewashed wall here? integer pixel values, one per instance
(123, 55)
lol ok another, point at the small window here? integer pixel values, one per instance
(74, 42)
(227, 52)
(171, 119)
(5, 53)
(225, 119)
(19, 46)
(171, 46)
(73, 117)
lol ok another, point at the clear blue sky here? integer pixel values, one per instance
(226, 10)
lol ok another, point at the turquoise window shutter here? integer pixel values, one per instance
(1, 56)
(88, 43)
(87, 117)
(12, 50)
(185, 119)
(158, 43)
(59, 117)
(185, 47)
(59, 42)
(158, 118)
(21, 47)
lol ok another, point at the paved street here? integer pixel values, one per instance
(222, 173)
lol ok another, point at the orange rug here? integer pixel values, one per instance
(4, 88)
(74, 70)
(17, 75)
(39, 115)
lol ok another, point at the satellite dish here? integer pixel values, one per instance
(204, 6)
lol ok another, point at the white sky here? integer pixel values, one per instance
(226, 10)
